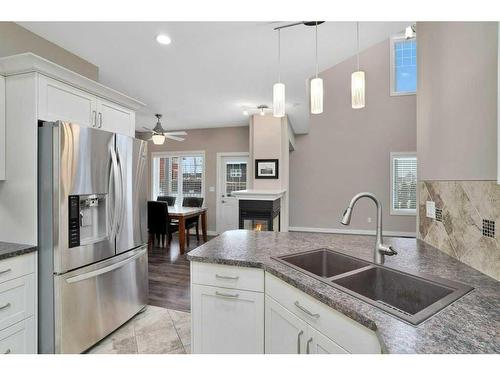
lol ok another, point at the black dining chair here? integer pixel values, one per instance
(159, 223)
(167, 198)
(194, 221)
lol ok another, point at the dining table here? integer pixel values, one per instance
(181, 214)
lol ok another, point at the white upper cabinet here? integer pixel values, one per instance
(115, 118)
(59, 101)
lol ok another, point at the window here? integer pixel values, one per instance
(236, 176)
(403, 62)
(403, 183)
(180, 175)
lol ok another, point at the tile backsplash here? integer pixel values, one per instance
(463, 206)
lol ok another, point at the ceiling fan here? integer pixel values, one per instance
(260, 109)
(158, 134)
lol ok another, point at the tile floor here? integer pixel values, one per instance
(155, 331)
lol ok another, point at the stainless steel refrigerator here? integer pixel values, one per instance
(92, 273)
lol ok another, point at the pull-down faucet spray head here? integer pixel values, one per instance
(346, 218)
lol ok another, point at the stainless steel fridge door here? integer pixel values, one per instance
(93, 301)
(132, 221)
(87, 165)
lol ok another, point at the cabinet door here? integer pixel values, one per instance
(285, 333)
(227, 320)
(115, 118)
(317, 343)
(59, 101)
(19, 338)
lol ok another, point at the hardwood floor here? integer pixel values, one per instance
(169, 276)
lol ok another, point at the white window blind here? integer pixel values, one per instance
(403, 183)
(178, 175)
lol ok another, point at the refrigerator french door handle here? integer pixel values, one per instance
(117, 193)
(122, 192)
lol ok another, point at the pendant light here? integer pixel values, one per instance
(279, 88)
(316, 85)
(358, 80)
(158, 139)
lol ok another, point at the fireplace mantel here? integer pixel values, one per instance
(264, 195)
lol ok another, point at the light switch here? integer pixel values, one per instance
(211, 189)
(430, 209)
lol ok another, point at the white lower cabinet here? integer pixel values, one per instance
(285, 333)
(227, 320)
(19, 338)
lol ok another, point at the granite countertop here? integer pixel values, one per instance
(9, 249)
(469, 325)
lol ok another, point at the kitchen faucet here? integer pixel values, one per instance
(380, 249)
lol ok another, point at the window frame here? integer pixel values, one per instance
(169, 154)
(401, 211)
(392, 68)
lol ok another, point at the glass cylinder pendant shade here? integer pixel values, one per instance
(158, 139)
(316, 96)
(358, 89)
(279, 99)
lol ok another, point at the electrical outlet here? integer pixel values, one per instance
(430, 209)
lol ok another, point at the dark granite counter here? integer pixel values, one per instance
(469, 325)
(8, 249)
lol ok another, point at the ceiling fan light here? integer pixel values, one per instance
(358, 90)
(316, 96)
(279, 99)
(158, 139)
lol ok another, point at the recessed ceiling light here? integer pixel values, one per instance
(163, 39)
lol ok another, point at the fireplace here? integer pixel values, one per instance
(260, 215)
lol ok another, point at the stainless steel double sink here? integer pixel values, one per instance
(412, 298)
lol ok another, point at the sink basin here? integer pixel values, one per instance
(410, 297)
(324, 263)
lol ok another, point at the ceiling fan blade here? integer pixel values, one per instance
(173, 137)
(176, 133)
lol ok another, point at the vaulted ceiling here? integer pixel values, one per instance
(212, 69)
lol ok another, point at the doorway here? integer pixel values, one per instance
(232, 175)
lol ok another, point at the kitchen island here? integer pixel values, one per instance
(469, 325)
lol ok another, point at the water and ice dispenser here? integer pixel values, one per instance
(87, 219)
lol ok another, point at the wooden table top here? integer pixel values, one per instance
(185, 211)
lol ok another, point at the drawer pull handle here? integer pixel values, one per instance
(302, 308)
(7, 351)
(227, 295)
(5, 271)
(227, 277)
(7, 305)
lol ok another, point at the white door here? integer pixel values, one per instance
(317, 343)
(59, 101)
(115, 118)
(227, 321)
(285, 333)
(233, 177)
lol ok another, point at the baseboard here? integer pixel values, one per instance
(365, 232)
(212, 233)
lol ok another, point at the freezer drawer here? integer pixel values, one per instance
(97, 299)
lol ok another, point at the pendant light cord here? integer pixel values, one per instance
(357, 44)
(279, 55)
(316, 29)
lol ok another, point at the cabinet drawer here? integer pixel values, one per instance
(349, 334)
(225, 276)
(14, 267)
(18, 338)
(17, 300)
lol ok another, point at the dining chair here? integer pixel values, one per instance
(159, 223)
(167, 198)
(194, 221)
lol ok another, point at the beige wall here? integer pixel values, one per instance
(457, 139)
(15, 39)
(348, 151)
(457, 100)
(212, 141)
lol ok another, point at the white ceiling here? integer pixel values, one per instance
(212, 69)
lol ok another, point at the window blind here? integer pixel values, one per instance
(404, 183)
(179, 176)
